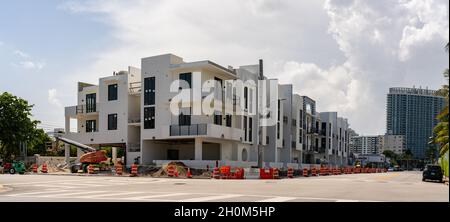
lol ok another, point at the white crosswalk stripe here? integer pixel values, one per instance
(71, 194)
(209, 198)
(278, 199)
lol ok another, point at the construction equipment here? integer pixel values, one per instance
(14, 167)
(90, 156)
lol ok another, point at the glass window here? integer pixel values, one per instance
(149, 117)
(245, 128)
(112, 92)
(112, 122)
(91, 103)
(217, 118)
(149, 91)
(250, 127)
(228, 120)
(188, 78)
(91, 126)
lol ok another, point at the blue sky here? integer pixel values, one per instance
(53, 39)
(345, 54)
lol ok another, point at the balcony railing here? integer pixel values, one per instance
(188, 130)
(135, 87)
(86, 109)
(134, 147)
(134, 120)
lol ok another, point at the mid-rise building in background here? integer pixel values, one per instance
(412, 112)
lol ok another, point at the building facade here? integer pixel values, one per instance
(394, 143)
(365, 144)
(412, 112)
(133, 110)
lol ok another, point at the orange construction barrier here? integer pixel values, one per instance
(170, 171)
(216, 173)
(225, 172)
(276, 174)
(305, 172)
(35, 168)
(90, 169)
(290, 173)
(134, 170)
(119, 169)
(189, 175)
(44, 168)
(313, 172)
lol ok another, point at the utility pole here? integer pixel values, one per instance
(258, 137)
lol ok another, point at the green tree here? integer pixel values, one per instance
(431, 152)
(38, 144)
(441, 129)
(392, 156)
(15, 124)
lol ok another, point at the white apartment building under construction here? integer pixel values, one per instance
(131, 110)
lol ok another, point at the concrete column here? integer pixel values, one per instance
(198, 148)
(79, 154)
(114, 154)
(67, 153)
(67, 124)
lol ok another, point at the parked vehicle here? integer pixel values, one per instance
(432, 172)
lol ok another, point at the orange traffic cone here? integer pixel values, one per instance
(189, 175)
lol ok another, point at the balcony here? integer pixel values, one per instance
(135, 88)
(134, 121)
(188, 130)
(312, 130)
(322, 132)
(87, 109)
(134, 147)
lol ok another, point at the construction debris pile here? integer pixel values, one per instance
(181, 170)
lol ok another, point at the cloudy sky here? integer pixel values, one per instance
(345, 54)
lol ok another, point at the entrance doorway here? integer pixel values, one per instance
(172, 154)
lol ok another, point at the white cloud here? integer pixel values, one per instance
(32, 65)
(343, 53)
(21, 54)
(26, 62)
(53, 98)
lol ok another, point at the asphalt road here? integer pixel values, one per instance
(391, 186)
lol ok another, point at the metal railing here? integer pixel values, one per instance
(85, 109)
(134, 120)
(188, 130)
(134, 147)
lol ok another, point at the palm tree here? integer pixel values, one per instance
(441, 129)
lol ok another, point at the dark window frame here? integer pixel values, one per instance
(149, 117)
(112, 121)
(113, 92)
(91, 126)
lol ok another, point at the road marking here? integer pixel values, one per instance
(54, 186)
(108, 195)
(278, 199)
(202, 199)
(41, 182)
(71, 194)
(31, 193)
(83, 184)
(156, 196)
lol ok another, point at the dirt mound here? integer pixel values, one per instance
(180, 167)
